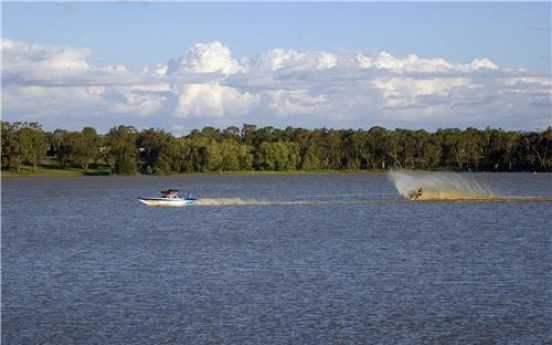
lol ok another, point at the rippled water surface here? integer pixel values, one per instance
(303, 259)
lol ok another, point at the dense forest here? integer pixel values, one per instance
(125, 150)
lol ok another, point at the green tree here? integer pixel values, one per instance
(60, 146)
(376, 144)
(156, 151)
(246, 157)
(230, 152)
(210, 149)
(537, 147)
(432, 153)
(199, 150)
(294, 155)
(215, 159)
(182, 153)
(300, 137)
(83, 147)
(249, 134)
(120, 151)
(93, 140)
(232, 133)
(275, 156)
(354, 148)
(449, 139)
(469, 150)
(392, 147)
(34, 143)
(12, 149)
(23, 142)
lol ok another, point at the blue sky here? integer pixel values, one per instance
(359, 64)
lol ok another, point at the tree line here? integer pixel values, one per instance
(128, 151)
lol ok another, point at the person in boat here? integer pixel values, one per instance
(169, 193)
(173, 193)
(419, 194)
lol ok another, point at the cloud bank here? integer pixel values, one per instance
(208, 86)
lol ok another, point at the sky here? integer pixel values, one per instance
(179, 66)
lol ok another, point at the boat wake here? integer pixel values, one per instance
(243, 202)
(431, 197)
(440, 186)
(225, 202)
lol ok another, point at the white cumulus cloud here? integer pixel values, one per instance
(30, 62)
(207, 85)
(206, 58)
(296, 102)
(412, 64)
(35, 103)
(277, 59)
(406, 91)
(138, 104)
(213, 100)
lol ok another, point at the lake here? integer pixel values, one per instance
(274, 259)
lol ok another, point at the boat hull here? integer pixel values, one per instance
(167, 202)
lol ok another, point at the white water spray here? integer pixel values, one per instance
(439, 186)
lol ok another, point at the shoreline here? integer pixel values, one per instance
(75, 172)
(72, 173)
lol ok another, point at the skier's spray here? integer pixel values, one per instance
(439, 186)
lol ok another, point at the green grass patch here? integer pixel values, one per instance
(41, 171)
(51, 168)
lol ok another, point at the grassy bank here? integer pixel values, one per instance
(76, 172)
(50, 168)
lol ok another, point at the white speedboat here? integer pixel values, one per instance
(168, 198)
